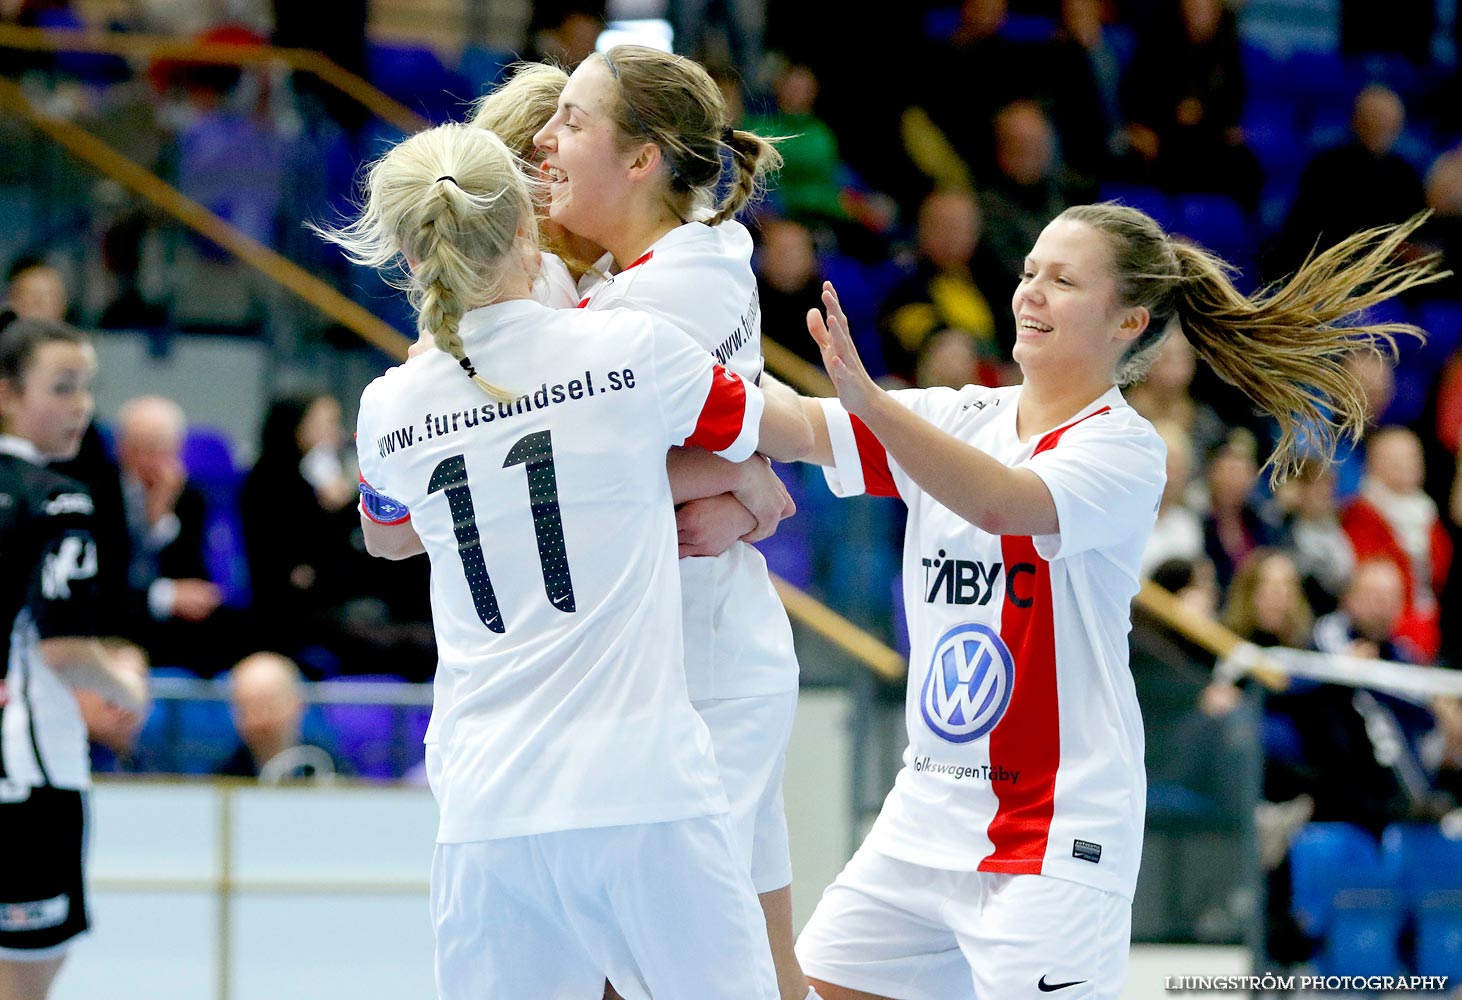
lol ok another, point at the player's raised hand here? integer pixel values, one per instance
(856, 390)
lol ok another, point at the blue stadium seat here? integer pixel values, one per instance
(374, 741)
(415, 76)
(1280, 739)
(1028, 28)
(1265, 74)
(1271, 130)
(940, 23)
(208, 457)
(1218, 223)
(1326, 858)
(1319, 77)
(187, 737)
(1346, 896)
(94, 68)
(1151, 200)
(235, 166)
(1438, 948)
(1442, 320)
(483, 68)
(1363, 936)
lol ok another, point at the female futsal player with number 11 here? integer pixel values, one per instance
(583, 832)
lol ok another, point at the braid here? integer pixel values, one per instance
(443, 216)
(753, 157)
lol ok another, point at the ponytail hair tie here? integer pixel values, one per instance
(727, 134)
(466, 364)
(446, 177)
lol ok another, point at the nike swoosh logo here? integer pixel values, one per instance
(1046, 987)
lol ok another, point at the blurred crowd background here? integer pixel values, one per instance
(928, 144)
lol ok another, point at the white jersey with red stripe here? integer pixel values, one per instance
(560, 701)
(738, 641)
(1025, 740)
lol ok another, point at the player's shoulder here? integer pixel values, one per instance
(1112, 421)
(943, 404)
(49, 495)
(675, 268)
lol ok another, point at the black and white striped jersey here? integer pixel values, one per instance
(48, 563)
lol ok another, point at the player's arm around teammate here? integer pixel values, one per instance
(636, 155)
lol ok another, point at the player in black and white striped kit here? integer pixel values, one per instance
(48, 566)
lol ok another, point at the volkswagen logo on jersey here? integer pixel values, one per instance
(968, 685)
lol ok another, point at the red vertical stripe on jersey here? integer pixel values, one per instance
(723, 414)
(877, 476)
(1029, 736)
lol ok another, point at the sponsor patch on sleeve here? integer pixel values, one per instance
(381, 508)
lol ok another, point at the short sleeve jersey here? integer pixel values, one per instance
(548, 520)
(1025, 740)
(738, 641)
(48, 591)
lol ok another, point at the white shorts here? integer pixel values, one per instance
(662, 909)
(750, 736)
(908, 932)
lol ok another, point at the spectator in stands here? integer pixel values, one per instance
(1235, 524)
(564, 31)
(814, 186)
(952, 284)
(112, 731)
(1182, 98)
(1026, 188)
(267, 699)
(1377, 376)
(968, 76)
(167, 576)
(35, 289)
(1443, 231)
(980, 69)
(948, 358)
(1321, 549)
(1266, 602)
(1166, 395)
(1088, 143)
(1395, 519)
(788, 283)
(1178, 533)
(1355, 186)
(298, 518)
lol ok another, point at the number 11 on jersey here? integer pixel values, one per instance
(534, 452)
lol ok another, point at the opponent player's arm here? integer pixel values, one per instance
(979, 488)
(84, 663)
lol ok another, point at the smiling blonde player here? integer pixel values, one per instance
(583, 831)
